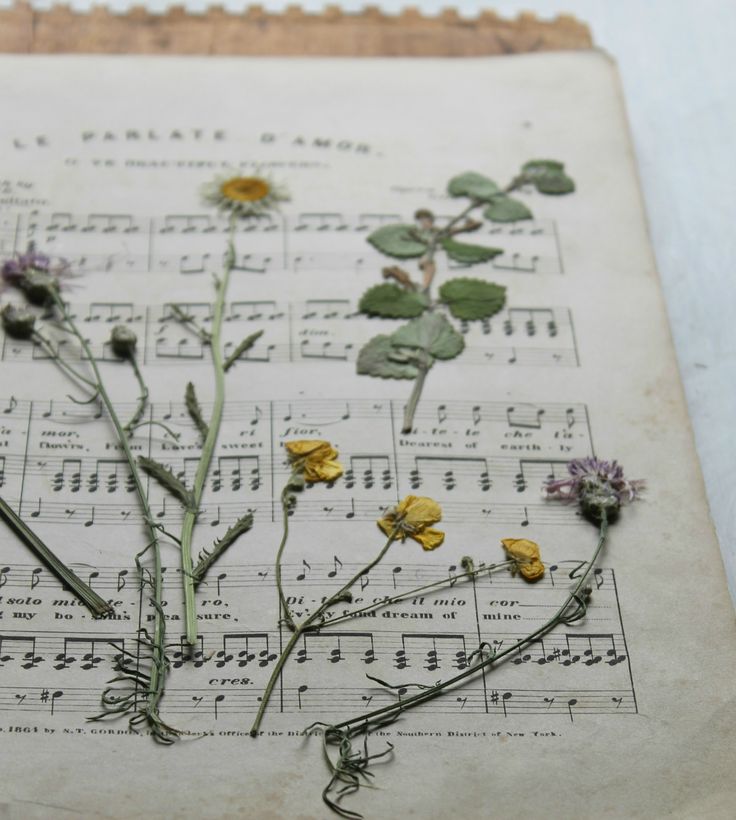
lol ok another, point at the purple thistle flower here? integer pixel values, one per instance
(34, 273)
(599, 486)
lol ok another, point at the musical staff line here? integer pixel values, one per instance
(324, 330)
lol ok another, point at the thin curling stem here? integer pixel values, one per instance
(432, 692)
(208, 448)
(312, 622)
(395, 599)
(63, 365)
(142, 398)
(157, 681)
(286, 495)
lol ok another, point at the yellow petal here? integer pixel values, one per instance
(532, 571)
(322, 470)
(419, 511)
(521, 549)
(308, 447)
(429, 539)
(387, 524)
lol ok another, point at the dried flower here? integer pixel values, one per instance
(244, 196)
(34, 274)
(315, 459)
(123, 341)
(413, 517)
(18, 322)
(526, 555)
(599, 486)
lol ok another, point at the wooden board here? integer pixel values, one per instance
(369, 33)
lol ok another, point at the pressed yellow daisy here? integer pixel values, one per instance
(244, 196)
(413, 517)
(315, 458)
(526, 555)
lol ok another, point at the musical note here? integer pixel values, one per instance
(299, 692)
(333, 572)
(306, 568)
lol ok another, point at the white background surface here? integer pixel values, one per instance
(676, 63)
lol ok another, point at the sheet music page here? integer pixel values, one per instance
(627, 713)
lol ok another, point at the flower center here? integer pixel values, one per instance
(245, 189)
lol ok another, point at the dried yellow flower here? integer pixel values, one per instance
(315, 458)
(413, 517)
(244, 196)
(526, 555)
(245, 189)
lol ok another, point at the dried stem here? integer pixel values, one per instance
(155, 683)
(563, 615)
(97, 606)
(313, 621)
(208, 448)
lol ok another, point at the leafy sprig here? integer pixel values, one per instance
(411, 351)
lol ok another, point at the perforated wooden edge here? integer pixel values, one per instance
(369, 33)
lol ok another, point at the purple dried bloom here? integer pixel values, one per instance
(599, 486)
(16, 271)
(35, 275)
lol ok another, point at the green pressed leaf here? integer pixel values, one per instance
(507, 209)
(393, 302)
(243, 347)
(208, 557)
(167, 480)
(432, 333)
(380, 358)
(468, 254)
(194, 410)
(473, 185)
(555, 184)
(472, 298)
(548, 176)
(542, 166)
(397, 240)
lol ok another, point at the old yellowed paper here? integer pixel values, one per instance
(625, 714)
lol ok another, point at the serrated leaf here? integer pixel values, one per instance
(431, 333)
(393, 302)
(167, 480)
(206, 558)
(468, 254)
(397, 240)
(379, 357)
(194, 410)
(507, 209)
(548, 176)
(243, 347)
(473, 185)
(472, 298)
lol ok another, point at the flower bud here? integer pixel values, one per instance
(597, 497)
(40, 287)
(123, 341)
(18, 322)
